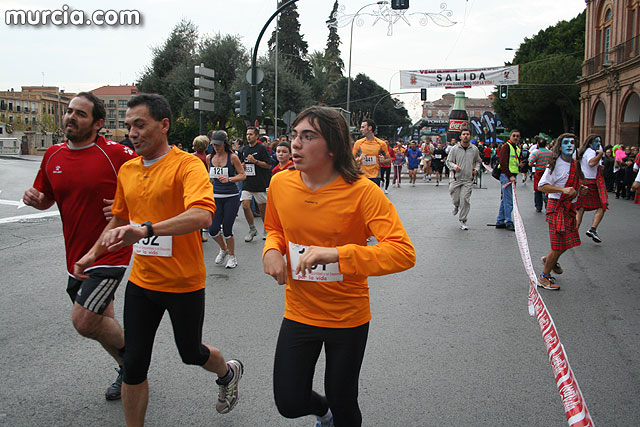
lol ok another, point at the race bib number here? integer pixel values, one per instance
(216, 171)
(154, 245)
(438, 156)
(320, 273)
(250, 169)
(370, 160)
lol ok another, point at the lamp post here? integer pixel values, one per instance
(351, 46)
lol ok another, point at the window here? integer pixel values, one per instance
(121, 124)
(122, 103)
(10, 106)
(606, 37)
(111, 124)
(112, 114)
(121, 114)
(33, 121)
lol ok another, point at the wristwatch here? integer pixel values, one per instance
(149, 228)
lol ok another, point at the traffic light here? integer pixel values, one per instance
(504, 91)
(241, 103)
(399, 4)
(259, 104)
(423, 94)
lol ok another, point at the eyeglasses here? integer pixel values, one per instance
(305, 136)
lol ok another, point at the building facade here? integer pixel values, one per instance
(610, 80)
(35, 108)
(115, 100)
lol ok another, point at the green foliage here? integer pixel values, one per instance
(335, 64)
(547, 98)
(291, 45)
(293, 93)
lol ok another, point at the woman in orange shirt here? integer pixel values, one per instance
(319, 217)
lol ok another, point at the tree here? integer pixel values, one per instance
(547, 98)
(291, 45)
(335, 64)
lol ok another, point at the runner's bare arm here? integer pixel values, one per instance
(548, 188)
(36, 199)
(96, 250)
(275, 266)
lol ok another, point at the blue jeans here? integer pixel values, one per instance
(506, 203)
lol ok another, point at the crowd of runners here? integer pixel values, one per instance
(161, 204)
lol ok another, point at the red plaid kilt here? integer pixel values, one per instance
(636, 200)
(562, 240)
(597, 196)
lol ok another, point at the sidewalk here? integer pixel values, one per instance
(28, 157)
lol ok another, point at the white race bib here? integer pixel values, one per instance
(250, 169)
(216, 171)
(320, 273)
(370, 160)
(438, 156)
(154, 246)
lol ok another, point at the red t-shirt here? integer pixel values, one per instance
(487, 152)
(277, 168)
(78, 180)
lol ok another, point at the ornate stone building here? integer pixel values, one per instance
(610, 81)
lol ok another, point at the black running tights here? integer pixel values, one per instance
(297, 352)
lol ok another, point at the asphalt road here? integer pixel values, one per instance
(450, 344)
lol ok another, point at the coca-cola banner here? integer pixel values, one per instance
(459, 78)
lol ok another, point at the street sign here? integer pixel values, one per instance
(288, 117)
(203, 94)
(201, 70)
(203, 106)
(200, 82)
(259, 76)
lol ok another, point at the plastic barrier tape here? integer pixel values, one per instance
(575, 407)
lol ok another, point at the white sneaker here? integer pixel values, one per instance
(454, 212)
(463, 225)
(264, 236)
(386, 191)
(252, 233)
(221, 256)
(232, 262)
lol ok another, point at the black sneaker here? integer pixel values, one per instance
(509, 227)
(113, 392)
(594, 235)
(501, 226)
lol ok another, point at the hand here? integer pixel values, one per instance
(108, 203)
(635, 186)
(36, 199)
(251, 159)
(275, 266)
(474, 172)
(223, 179)
(315, 255)
(569, 191)
(82, 264)
(123, 236)
(512, 179)
(458, 168)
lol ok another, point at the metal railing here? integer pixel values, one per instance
(617, 55)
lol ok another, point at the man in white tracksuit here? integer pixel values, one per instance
(463, 162)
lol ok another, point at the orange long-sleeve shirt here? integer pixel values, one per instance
(339, 215)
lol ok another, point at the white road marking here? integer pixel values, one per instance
(18, 203)
(31, 216)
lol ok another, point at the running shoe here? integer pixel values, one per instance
(463, 225)
(386, 191)
(320, 423)
(221, 256)
(510, 227)
(454, 212)
(264, 235)
(544, 282)
(556, 268)
(252, 233)
(228, 393)
(594, 235)
(114, 390)
(232, 262)
(501, 226)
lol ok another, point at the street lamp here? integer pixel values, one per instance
(351, 46)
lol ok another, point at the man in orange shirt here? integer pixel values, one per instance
(370, 151)
(319, 216)
(163, 199)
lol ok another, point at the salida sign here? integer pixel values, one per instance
(459, 78)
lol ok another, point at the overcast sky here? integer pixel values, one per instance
(84, 58)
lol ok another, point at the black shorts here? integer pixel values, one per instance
(96, 292)
(437, 166)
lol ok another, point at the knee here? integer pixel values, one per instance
(289, 406)
(195, 357)
(86, 322)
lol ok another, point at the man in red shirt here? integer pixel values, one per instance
(80, 175)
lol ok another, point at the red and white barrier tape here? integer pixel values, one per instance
(575, 407)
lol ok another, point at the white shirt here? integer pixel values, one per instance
(588, 171)
(557, 178)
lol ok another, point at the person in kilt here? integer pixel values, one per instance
(561, 181)
(596, 199)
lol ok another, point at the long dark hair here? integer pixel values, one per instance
(586, 144)
(334, 129)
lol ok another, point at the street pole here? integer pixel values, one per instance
(351, 49)
(254, 60)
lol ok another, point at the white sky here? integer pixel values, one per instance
(84, 58)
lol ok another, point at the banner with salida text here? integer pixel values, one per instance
(459, 78)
